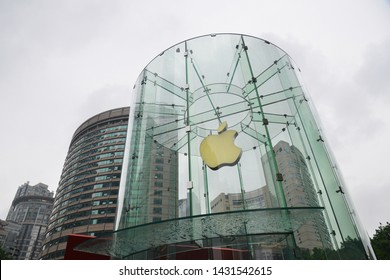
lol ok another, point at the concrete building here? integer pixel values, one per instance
(258, 198)
(9, 232)
(27, 221)
(86, 198)
(154, 193)
(299, 191)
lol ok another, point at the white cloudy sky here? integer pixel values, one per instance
(63, 61)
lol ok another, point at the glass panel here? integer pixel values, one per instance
(266, 222)
(241, 99)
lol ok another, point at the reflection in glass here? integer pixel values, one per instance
(180, 99)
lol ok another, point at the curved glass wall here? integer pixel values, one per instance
(225, 158)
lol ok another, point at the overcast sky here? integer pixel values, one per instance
(62, 62)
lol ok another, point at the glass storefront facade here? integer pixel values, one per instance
(225, 160)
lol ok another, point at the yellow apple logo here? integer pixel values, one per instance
(219, 150)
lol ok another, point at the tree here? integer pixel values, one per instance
(381, 242)
(350, 249)
(4, 255)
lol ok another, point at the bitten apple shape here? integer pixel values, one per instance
(219, 150)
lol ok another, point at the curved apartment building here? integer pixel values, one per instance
(86, 198)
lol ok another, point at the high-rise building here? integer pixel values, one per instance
(3, 233)
(299, 191)
(87, 195)
(27, 220)
(255, 199)
(154, 195)
(9, 233)
(232, 111)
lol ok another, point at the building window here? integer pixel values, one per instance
(97, 194)
(158, 184)
(157, 201)
(236, 202)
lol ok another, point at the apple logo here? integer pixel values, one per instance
(219, 150)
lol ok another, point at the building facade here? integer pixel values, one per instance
(258, 198)
(299, 191)
(9, 232)
(27, 220)
(87, 195)
(154, 196)
(233, 110)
